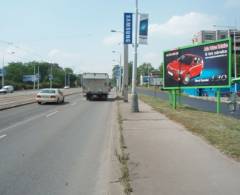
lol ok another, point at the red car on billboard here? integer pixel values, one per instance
(185, 68)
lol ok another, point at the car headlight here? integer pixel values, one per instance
(180, 71)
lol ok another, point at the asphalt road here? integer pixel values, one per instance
(55, 149)
(204, 105)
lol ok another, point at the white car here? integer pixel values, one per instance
(7, 89)
(50, 95)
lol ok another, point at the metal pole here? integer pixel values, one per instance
(69, 80)
(51, 77)
(120, 78)
(134, 75)
(125, 74)
(38, 77)
(34, 78)
(235, 61)
(65, 77)
(148, 75)
(218, 101)
(3, 71)
(174, 102)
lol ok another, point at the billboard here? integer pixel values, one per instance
(128, 20)
(198, 66)
(30, 78)
(143, 29)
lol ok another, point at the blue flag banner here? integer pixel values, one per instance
(127, 32)
(143, 29)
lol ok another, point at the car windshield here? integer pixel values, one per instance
(47, 91)
(186, 59)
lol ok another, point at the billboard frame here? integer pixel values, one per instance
(203, 44)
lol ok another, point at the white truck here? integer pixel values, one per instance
(95, 85)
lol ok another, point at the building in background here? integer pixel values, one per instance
(212, 35)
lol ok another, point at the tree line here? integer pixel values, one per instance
(15, 71)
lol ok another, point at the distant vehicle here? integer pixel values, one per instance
(7, 89)
(95, 85)
(50, 95)
(66, 87)
(185, 68)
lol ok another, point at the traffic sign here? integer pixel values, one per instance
(50, 77)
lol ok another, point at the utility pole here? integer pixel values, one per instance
(134, 73)
(51, 77)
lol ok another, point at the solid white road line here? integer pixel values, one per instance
(2, 136)
(21, 123)
(74, 103)
(51, 114)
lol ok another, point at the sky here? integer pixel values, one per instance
(76, 33)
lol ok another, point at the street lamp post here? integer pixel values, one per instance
(125, 69)
(3, 64)
(51, 77)
(65, 79)
(134, 73)
(3, 71)
(38, 77)
(118, 80)
(34, 78)
(148, 76)
(120, 63)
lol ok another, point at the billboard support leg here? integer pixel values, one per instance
(218, 101)
(170, 97)
(174, 102)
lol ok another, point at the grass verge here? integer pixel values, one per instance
(123, 157)
(221, 131)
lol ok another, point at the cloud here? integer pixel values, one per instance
(113, 39)
(232, 3)
(73, 60)
(78, 61)
(152, 58)
(185, 25)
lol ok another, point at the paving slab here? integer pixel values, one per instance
(166, 159)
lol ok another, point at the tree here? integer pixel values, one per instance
(130, 65)
(144, 70)
(161, 69)
(16, 70)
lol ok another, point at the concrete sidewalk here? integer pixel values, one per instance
(166, 159)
